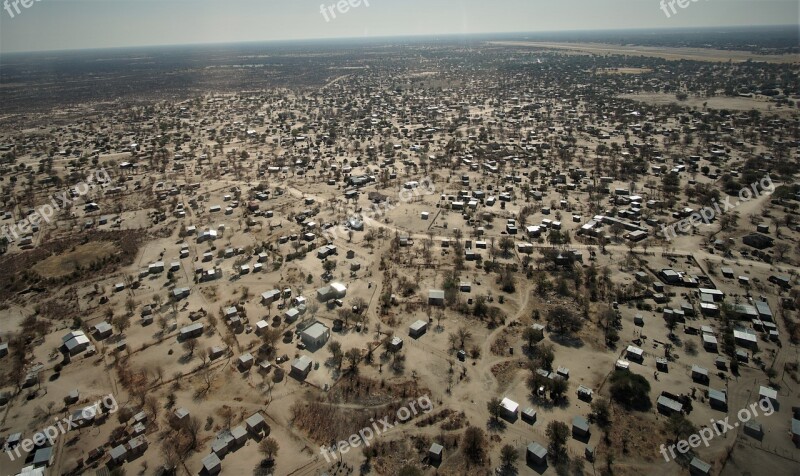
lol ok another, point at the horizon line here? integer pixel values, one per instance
(401, 37)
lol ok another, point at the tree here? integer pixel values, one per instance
(464, 336)
(531, 336)
(353, 356)
(558, 387)
(601, 412)
(630, 390)
(506, 244)
(494, 407)
(558, 433)
(473, 444)
(189, 346)
(121, 323)
(679, 427)
(269, 448)
(564, 321)
(508, 456)
(544, 356)
(336, 353)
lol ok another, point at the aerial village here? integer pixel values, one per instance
(515, 274)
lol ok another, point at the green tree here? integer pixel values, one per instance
(557, 433)
(630, 390)
(508, 456)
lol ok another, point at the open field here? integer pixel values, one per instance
(692, 54)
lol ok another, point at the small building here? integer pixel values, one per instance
(718, 399)
(211, 465)
(580, 427)
(435, 453)
(118, 454)
(315, 335)
(585, 393)
(536, 454)
(709, 342)
(699, 374)
(417, 329)
(766, 393)
(667, 406)
(436, 297)
(396, 344)
(245, 361)
(753, 429)
(191, 331)
(529, 415)
(635, 354)
(43, 457)
(102, 330)
(509, 409)
(301, 367)
(75, 342)
(698, 467)
(256, 424)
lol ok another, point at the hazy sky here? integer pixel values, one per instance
(75, 24)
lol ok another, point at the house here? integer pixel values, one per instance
(245, 361)
(301, 367)
(709, 342)
(292, 314)
(118, 454)
(180, 293)
(435, 453)
(536, 454)
(699, 374)
(757, 241)
(191, 331)
(417, 329)
(753, 429)
(43, 457)
(270, 296)
(796, 431)
(529, 415)
(261, 327)
(580, 427)
(745, 339)
(436, 297)
(699, 467)
(585, 393)
(75, 342)
(508, 409)
(396, 344)
(315, 336)
(331, 291)
(256, 424)
(668, 406)
(717, 399)
(102, 330)
(635, 354)
(211, 465)
(770, 394)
